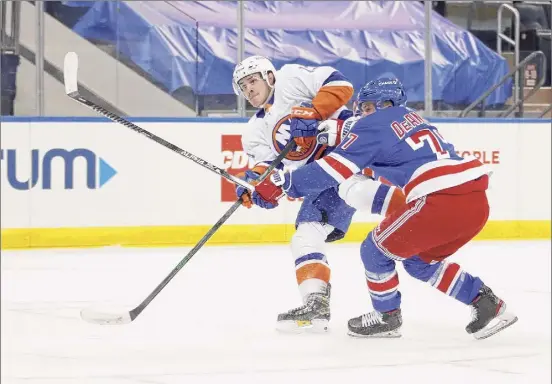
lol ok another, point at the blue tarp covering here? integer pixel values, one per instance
(194, 43)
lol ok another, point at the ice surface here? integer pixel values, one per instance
(214, 323)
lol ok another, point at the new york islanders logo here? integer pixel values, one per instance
(281, 135)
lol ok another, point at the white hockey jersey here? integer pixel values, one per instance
(268, 132)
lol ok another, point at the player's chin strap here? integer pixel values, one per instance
(271, 90)
(269, 96)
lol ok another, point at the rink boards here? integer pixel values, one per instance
(90, 182)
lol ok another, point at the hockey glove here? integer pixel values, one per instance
(270, 189)
(247, 198)
(250, 177)
(304, 124)
(330, 132)
(259, 201)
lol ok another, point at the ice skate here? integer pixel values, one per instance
(314, 316)
(489, 315)
(377, 325)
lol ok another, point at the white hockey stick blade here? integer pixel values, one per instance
(70, 69)
(105, 318)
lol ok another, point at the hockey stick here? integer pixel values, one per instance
(70, 72)
(104, 318)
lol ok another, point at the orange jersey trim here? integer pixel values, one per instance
(330, 99)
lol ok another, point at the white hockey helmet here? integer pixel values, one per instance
(249, 66)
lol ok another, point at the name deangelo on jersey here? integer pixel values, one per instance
(400, 128)
(411, 121)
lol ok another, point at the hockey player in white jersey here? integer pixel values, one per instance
(297, 96)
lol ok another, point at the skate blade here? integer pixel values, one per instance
(496, 325)
(383, 335)
(302, 326)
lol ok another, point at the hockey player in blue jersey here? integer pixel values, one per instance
(446, 207)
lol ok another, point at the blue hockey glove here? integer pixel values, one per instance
(258, 200)
(304, 124)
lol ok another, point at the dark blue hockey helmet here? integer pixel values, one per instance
(379, 91)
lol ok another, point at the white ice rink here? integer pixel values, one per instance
(214, 323)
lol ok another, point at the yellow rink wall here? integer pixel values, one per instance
(226, 235)
(86, 182)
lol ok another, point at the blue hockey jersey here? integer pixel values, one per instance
(397, 144)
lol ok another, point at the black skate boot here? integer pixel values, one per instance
(377, 324)
(489, 315)
(314, 316)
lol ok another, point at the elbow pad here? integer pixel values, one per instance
(364, 193)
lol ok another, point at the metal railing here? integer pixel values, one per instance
(536, 87)
(515, 42)
(514, 71)
(547, 110)
(9, 42)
